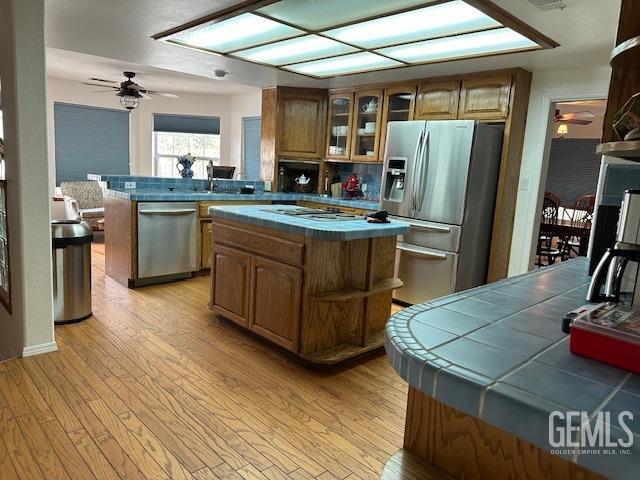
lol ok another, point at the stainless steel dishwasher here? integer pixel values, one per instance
(166, 240)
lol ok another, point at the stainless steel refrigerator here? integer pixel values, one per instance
(441, 177)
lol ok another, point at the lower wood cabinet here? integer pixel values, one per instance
(231, 267)
(206, 244)
(275, 301)
(260, 294)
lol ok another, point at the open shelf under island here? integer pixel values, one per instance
(320, 289)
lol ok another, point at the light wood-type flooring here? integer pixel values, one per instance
(152, 387)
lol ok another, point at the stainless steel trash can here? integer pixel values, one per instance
(71, 242)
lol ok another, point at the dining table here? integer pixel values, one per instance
(566, 229)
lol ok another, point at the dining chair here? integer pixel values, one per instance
(549, 216)
(581, 218)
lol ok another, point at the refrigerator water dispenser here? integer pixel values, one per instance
(394, 184)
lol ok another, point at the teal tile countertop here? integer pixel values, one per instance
(497, 353)
(341, 230)
(164, 195)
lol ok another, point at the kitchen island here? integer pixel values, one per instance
(318, 287)
(488, 367)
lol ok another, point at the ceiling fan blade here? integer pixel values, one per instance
(583, 115)
(144, 94)
(578, 121)
(99, 85)
(135, 86)
(162, 94)
(101, 91)
(96, 79)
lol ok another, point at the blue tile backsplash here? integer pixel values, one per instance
(117, 182)
(371, 174)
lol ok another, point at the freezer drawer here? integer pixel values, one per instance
(166, 238)
(426, 273)
(431, 234)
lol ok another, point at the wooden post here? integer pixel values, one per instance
(625, 76)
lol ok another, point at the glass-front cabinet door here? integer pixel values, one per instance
(399, 106)
(340, 121)
(366, 127)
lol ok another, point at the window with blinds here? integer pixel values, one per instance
(573, 168)
(251, 147)
(90, 140)
(177, 135)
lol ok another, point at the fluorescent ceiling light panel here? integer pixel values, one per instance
(295, 50)
(322, 14)
(352, 63)
(461, 46)
(245, 30)
(435, 21)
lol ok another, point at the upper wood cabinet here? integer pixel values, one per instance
(275, 301)
(485, 98)
(398, 105)
(340, 121)
(301, 120)
(437, 100)
(365, 136)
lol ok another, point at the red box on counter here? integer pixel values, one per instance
(610, 333)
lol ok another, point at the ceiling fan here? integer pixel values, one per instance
(577, 118)
(129, 91)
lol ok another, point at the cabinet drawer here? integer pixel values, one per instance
(276, 248)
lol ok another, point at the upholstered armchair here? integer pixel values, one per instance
(86, 200)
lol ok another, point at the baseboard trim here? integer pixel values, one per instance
(38, 349)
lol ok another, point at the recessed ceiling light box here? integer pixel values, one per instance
(334, 37)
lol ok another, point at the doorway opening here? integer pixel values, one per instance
(569, 194)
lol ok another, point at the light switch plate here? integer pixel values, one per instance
(129, 185)
(267, 186)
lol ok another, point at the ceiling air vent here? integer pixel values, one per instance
(552, 4)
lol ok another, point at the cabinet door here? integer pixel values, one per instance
(339, 126)
(399, 105)
(366, 127)
(206, 244)
(230, 283)
(275, 302)
(485, 98)
(301, 119)
(437, 101)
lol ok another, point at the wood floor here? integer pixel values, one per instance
(153, 387)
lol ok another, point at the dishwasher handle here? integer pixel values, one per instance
(183, 211)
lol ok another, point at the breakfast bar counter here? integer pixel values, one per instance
(316, 283)
(492, 381)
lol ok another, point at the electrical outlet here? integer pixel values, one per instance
(267, 186)
(129, 185)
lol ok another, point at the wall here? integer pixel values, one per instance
(28, 329)
(547, 88)
(223, 106)
(247, 105)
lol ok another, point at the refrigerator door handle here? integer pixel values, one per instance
(421, 225)
(414, 172)
(422, 252)
(424, 172)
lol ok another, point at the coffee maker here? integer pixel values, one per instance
(616, 276)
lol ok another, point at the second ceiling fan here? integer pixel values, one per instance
(129, 91)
